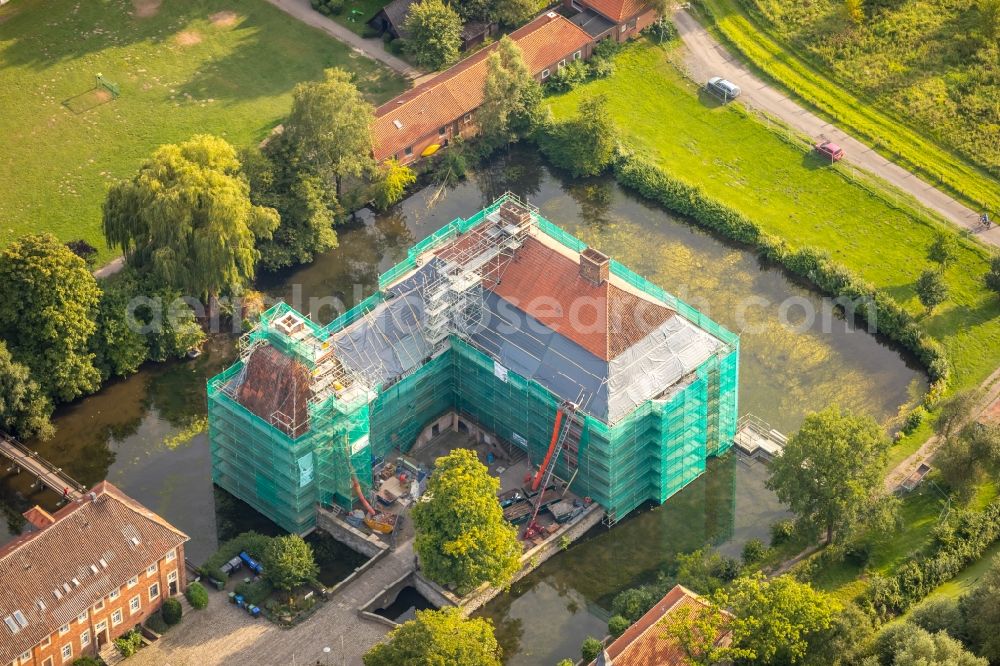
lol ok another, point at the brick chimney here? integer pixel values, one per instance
(513, 213)
(38, 517)
(594, 266)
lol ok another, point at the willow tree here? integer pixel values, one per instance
(328, 131)
(512, 97)
(187, 217)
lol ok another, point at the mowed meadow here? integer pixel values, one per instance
(225, 67)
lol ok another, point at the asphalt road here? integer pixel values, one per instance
(705, 57)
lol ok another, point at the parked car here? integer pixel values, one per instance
(722, 88)
(829, 150)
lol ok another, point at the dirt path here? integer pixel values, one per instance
(372, 48)
(705, 58)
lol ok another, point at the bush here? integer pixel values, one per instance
(256, 591)
(781, 532)
(172, 611)
(569, 77)
(397, 47)
(754, 551)
(590, 649)
(617, 625)
(87, 661)
(328, 7)
(914, 419)
(369, 32)
(128, 644)
(156, 623)
(859, 553)
(633, 604)
(662, 31)
(196, 595)
(601, 69)
(939, 614)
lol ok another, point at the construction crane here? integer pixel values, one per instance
(560, 436)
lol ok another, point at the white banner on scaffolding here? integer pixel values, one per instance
(500, 372)
(305, 470)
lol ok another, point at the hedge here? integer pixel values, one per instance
(196, 595)
(826, 275)
(957, 542)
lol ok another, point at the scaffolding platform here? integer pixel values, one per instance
(757, 439)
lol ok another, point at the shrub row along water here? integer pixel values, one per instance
(891, 320)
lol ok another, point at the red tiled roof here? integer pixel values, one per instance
(603, 319)
(459, 90)
(617, 10)
(114, 534)
(644, 644)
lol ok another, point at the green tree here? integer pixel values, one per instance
(461, 535)
(584, 145)
(992, 276)
(634, 602)
(830, 473)
(924, 648)
(24, 408)
(968, 456)
(288, 562)
(590, 648)
(696, 633)
(187, 216)
(617, 625)
(119, 347)
(754, 551)
(48, 300)
(939, 614)
(329, 130)
(512, 97)
(855, 11)
(307, 206)
(980, 611)
(931, 289)
(515, 12)
(846, 642)
(434, 34)
(438, 637)
(391, 185)
(774, 619)
(944, 249)
(989, 10)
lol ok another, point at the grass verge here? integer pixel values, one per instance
(891, 137)
(224, 67)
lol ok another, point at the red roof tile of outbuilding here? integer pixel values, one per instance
(450, 95)
(617, 10)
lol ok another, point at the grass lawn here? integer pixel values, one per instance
(225, 67)
(916, 61)
(357, 13)
(778, 184)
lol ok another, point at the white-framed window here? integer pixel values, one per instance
(442, 130)
(624, 28)
(85, 638)
(171, 556)
(172, 576)
(99, 606)
(82, 617)
(114, 595)
(577, 55)
(133, 581)
(154, 591)
(545, 73)
(408, 151)
(63, 630)
(47, 662)
(116, 618)
(26, 657)
(562, 63)
(468, 117)
(151, 569)
(67, 652)
(101, 626)
(134, 604)
(47, 641)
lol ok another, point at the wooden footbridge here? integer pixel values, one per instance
(21, 458)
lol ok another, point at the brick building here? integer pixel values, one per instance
(644, 643)
(620, 20)
(83, 576)
(444, 107)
